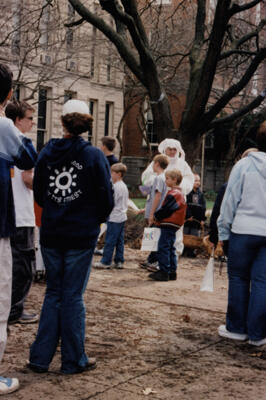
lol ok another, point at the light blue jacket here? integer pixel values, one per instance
(243, 209)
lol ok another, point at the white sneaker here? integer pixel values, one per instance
(8, 385)
(257, 342)
(153, 267)
(222, 331)
(100, 265)
(119, 265)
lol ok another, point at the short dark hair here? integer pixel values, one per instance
(109, 142)
(76, 123)
(17, 109)
(119, 167)
(162, 160)
(261, 137)
(6, 79)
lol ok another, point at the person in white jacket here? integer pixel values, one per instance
(242, 221)
(176, 156)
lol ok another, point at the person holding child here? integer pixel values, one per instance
(72, 184)
(114, 239)
(170, 218)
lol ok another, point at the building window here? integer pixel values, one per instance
(108, 119)
(44, 25)
(42, 116)
(16, 35)
(162, 2)
(70, 32)
(149, 126)
(151, 136)
(108, 70)
(16, 92)
(92, 62)
(209, 141)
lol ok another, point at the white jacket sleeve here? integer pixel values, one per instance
(188, 179)
(148, 175)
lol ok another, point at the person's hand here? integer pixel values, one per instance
(150, 220)
(202, 224)
(141, 211)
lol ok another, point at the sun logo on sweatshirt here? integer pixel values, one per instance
(63, 181)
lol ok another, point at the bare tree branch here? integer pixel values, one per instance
(234, 89)
(236, 8)
(243, 111)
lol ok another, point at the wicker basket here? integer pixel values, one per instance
(192, 242)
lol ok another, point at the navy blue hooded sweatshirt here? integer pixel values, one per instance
(72, 184)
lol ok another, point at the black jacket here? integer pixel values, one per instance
(72, 183)
(196, 208)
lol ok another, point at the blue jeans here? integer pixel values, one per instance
(246, 311)
(166, 250)
(63, 311)
(114, 240)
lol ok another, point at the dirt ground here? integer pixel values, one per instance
(154, 340)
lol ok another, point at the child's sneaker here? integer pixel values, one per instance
(119, 265)
(100, 265)
(153, 267)
(8, 385)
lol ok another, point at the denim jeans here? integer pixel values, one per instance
(166, 250)
(114, 240)
(246, 311)
(63, 311)
(152, 257)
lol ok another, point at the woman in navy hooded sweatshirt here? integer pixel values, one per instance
(72, 184)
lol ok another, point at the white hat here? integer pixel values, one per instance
(72, 106)
(173, 144)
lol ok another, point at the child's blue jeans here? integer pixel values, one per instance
(166, 250)
(114, 240)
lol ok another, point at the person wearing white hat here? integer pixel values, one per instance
(176, 157)
(72, 183)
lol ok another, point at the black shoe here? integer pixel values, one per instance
(172, 276)
(159, 276)
(36, 368)
(92, 364)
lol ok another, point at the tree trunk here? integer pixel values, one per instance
(191, 148)
(162, 119)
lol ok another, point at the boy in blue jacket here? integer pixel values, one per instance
(15, 149)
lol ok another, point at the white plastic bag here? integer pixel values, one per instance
(150, 239)
(208, 279)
